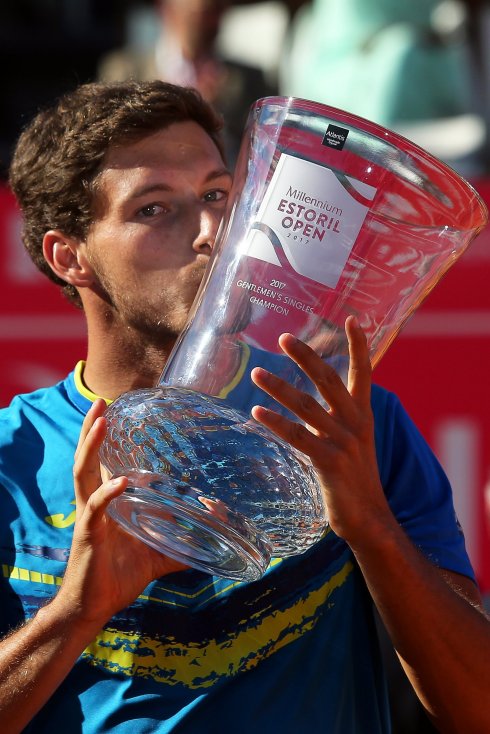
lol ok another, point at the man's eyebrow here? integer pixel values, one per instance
(150, 188)
(217, 174)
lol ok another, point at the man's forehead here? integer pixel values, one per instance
(179, 144)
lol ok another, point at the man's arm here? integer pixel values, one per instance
(35, 659)
(434, 618)
(437, 626)
(106, 571)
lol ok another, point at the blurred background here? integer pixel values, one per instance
(421, 67)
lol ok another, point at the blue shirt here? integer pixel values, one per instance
(295, 651)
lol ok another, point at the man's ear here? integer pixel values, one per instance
(66, 258)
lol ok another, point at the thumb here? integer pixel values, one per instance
(99, 500)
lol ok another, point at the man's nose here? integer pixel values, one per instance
(209, 222)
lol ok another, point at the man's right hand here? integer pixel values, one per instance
(108, 568)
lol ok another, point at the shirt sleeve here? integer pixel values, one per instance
(416, 486)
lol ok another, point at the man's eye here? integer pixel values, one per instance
(151, 210)
(215, 195)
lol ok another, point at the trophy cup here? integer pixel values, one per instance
(329, 215)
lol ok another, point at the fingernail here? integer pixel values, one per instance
(259, 371)
(290, 337)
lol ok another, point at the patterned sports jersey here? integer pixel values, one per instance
(295, 651)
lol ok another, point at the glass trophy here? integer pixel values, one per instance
(329, 215)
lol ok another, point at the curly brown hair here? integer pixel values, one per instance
(60, 153)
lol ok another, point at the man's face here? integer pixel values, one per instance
(162, 201)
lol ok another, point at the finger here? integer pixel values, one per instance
(360, 370)
(293, 433)
(86, 469)
(100, 499)
(96, 409)
(298, 402)
(104, 473)
(325, 378)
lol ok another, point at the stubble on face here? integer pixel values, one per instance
(157, 317)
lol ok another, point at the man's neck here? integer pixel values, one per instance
(112, 369)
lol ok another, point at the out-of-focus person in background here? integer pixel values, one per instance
(405, 64)
(180, 47)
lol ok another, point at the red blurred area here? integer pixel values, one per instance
(41, 334)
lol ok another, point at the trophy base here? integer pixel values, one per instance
(179, 521)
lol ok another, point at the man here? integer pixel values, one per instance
(122, 188)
